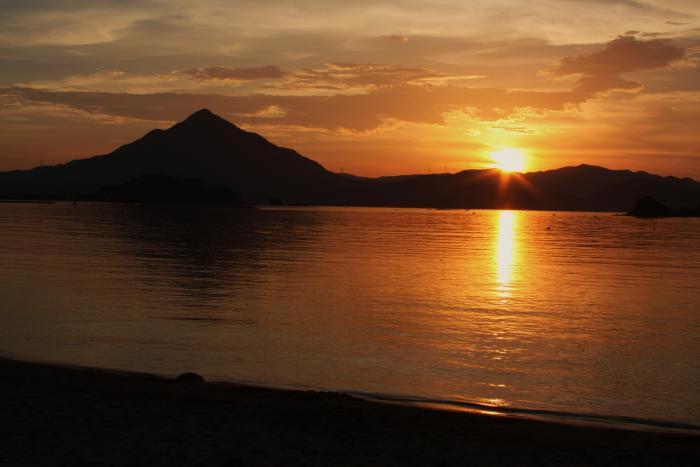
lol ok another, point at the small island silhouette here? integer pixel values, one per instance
(648, 207)
(163, 189)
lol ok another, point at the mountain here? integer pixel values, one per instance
(205, 147)
(210, 149)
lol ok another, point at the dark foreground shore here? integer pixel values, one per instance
(52, 415)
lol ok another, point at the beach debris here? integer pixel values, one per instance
(189, 378)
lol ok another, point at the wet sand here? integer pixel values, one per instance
(63, 416)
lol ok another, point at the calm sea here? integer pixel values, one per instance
(568, 314)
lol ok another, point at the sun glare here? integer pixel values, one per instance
(509, 160)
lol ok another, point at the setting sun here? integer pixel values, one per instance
(509, 159)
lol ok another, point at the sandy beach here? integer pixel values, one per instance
(66, 416)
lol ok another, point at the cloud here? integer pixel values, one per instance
(359, 76)
(624, 54)
(382, 93)
(395, 38)
(333, 76)
(114, 81)
(600, 71)
(356, 112)
(676, 23)
(237, 74)
(73, 22)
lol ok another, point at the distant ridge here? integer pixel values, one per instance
(213, 150)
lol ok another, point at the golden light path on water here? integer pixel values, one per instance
(505, 252)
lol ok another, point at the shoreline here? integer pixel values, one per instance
(560, 417)
(67, 415)
(592, 420)
(264, 206)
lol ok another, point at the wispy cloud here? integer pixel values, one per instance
(236, 74)
(395, 38)
(362, 77)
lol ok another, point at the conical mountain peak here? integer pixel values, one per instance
(205, 121)
(202, 114)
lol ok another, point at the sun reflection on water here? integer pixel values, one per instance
(505, 251)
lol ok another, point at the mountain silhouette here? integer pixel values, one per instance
(208, 148)
(205, 147)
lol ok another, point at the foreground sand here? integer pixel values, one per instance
(52, 415)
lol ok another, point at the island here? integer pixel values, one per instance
(648, 207)
(163, 189)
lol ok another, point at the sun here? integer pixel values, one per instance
(509, 159)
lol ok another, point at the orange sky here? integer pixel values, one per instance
(367, 87)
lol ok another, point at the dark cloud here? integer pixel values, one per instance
(676, 23)
(237, 74)
(600, 71)
(624, 54)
